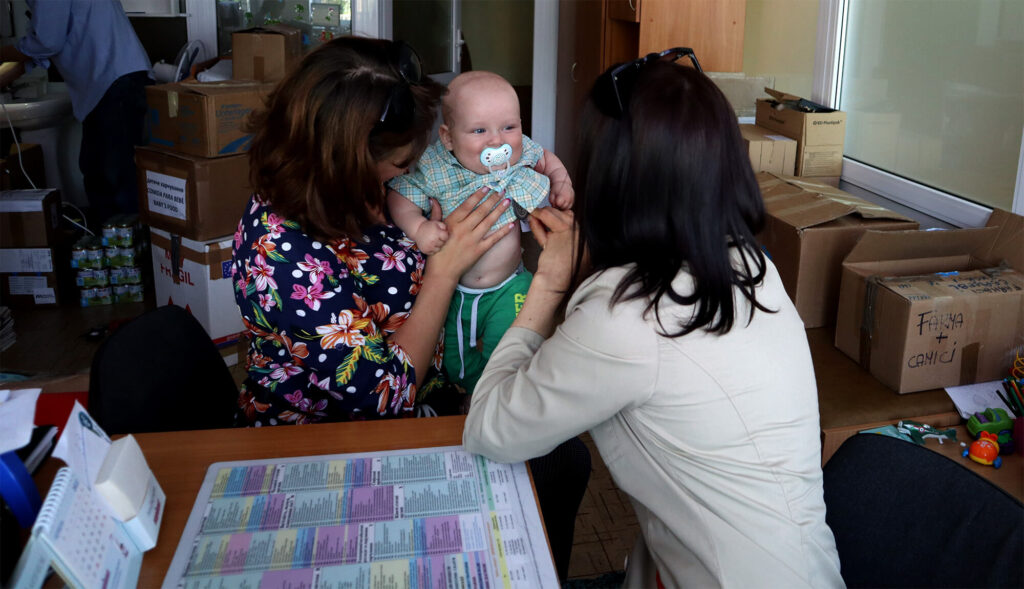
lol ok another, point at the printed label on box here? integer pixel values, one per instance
(45, 296)
(167, 195)
(26, 260)
(27, 285)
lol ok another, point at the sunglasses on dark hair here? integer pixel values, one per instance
(613, 88)
(401, 105)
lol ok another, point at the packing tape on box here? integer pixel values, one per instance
(867, 322)
(172, 104)
(212, 258)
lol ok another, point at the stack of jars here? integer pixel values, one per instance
(107, 268)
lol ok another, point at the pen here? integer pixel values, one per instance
(1011, 406)
(1013, 391)
(1016, 390)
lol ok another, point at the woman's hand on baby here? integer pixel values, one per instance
(469, 235)
(555, 231)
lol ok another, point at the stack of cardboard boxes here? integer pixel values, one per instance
(193, 176)
(33, 259)
(919, 310)
(796, 137)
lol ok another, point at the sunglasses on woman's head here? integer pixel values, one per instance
(614, 87)
(399, 109)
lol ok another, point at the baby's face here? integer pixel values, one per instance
(483, 116)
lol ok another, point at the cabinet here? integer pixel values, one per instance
(595, 34)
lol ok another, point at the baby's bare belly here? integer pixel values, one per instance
(497, 264)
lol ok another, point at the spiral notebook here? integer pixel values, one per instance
(78, 538)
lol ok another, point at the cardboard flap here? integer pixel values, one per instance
(1009, 243)
(271, 30)
(803, 203)
(805, 209)
(225, 87)
(780, 96)
(911, 245)
(865, 209)
(797, 103)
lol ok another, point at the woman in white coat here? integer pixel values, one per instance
(679, 350)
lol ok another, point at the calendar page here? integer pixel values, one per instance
(430, 517)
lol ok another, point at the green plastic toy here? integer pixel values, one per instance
(993, 421)
(918, 431)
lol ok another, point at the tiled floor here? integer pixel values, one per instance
(606, 526)
(53, 342)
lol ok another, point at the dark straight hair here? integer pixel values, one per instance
(317, 142)
(668, 188)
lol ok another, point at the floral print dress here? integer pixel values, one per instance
(319, 316)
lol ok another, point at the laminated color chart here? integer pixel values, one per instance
(423, 518)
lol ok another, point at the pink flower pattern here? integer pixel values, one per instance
(311, 296)
(393, 259)
(323, 351)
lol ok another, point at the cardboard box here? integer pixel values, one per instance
(198, 278)
(32, 276)
(11, 176)
(198, 198)
(204, 120)
(928, 309)
(233, 348)
(265, 53)
(769, 152)
(819, 134)
(29, 218)
(809, 229)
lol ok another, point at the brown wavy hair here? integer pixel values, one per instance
(315, 147)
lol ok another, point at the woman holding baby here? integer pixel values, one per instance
(343, 311)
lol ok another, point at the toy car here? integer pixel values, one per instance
(985, 450)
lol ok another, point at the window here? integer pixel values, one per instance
(934, 100)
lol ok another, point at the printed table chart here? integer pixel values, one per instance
(429, 517)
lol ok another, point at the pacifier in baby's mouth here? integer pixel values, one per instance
(497, 160)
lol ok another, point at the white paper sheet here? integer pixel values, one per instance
(17, 418)
(82, 445)
(973, 398)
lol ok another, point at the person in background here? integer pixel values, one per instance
(96, 51)
(680, 351)
(343, 311)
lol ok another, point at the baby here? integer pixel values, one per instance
(481, 144)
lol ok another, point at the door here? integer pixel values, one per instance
(579, 64)
(433, 28)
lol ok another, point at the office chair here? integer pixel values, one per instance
(161, 372)
(905, 516)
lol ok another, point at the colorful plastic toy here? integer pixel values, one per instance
(985, 450)
(919, 432)
(993, 421)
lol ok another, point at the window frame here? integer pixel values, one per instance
(828, 63)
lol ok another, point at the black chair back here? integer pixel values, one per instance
(905, 516)
(161, 372)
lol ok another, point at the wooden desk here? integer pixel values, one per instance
(180, 460)
(851, 400)
(1010, 476)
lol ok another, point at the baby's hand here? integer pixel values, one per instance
(562, 195)
(430, 236)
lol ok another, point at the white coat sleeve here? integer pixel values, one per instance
(535, 394)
